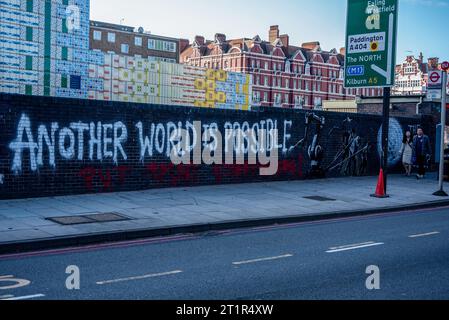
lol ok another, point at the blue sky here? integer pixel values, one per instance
(423, 24)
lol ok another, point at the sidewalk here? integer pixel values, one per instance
(24, 225)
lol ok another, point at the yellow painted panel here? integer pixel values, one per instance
(221, 97)
(200, 84)
(210, 74)
(210, 96)
(211, 85)
(221, 75)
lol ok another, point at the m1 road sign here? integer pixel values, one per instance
(435, 80)
(371, 32)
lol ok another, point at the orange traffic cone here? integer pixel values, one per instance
(380, 189)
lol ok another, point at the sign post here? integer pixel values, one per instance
(440, 78)
(371, 36)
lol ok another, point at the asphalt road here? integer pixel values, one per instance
(321, 260)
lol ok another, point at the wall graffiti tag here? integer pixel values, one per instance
(66, 146)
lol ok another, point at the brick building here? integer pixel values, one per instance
(403, 106)
(125, 40)
(283, 75)
(412, 75)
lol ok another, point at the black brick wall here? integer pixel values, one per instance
(72, 176)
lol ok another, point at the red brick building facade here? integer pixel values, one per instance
(283, 75)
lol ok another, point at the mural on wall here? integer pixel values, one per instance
(351, 158)
(53, 146)
(101, 141)
(313, 148)
(395, 136)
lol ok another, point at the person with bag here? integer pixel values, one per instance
(406, 153)
(422, 152)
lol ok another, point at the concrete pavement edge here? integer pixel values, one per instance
(127, 235)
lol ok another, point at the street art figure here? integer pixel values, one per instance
(314, 150)
(352, 157)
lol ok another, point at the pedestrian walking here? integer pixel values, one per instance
(406, 153)
(422, 152)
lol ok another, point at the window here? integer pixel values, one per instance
(256, 96)
(29, 34)
(97, 35)
(64, 53)
(277, 99)
(266, 65)
(75, 82)
(29, 5)
(125, 48)
(266, 81)
(265, 96)
(29, 63)
(111, 37)
(64, 81)
(171, 47)
(162, 45)
(138, 41)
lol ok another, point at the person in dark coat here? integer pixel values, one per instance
(422, 152)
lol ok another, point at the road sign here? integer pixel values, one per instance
(445, 66)
(433, 94)
(435, 80)
(371, 30)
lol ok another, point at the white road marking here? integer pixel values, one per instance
(262, 259)
(17, 283)
(354, 246)
(25, 297)
(424, 234)
(147, 276)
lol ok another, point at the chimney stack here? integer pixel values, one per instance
(220, 37)
(343, 51)
(273, 34)
(433, 63)
(285, 40)
(311, 45)
(200, 40)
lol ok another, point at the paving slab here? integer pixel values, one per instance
(24, 222)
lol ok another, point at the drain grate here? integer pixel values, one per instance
(89, 218)
(318, 198)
